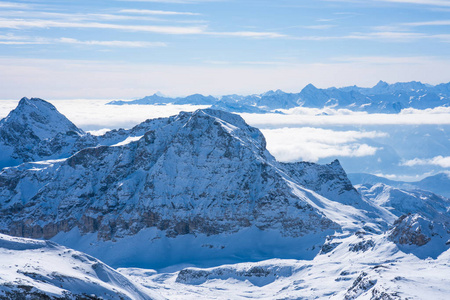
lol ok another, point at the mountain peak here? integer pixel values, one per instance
(309, 87)
(39, 117)
(381, 84)
(273, 93)
(235, 125)
(35, 103)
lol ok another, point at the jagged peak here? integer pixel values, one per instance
(381, 83)
(37, 103)
(309, 87)
(272, 93)
(39, 116)
(231, 118)
(335, 163)
(228, 124)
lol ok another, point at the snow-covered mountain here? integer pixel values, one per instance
(204, 174)
(382, 98)
(33, 269)
(35, 130)
(200, 189)
(438, 184)
(424, 217)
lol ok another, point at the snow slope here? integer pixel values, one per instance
(32, 269)
(361, 266)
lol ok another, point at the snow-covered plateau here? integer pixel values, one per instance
(195, 206)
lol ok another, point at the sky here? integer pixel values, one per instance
(125, 49)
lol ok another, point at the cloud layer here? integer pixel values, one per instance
(441, 161)
(312, 144)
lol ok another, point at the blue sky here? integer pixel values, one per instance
(128, 48)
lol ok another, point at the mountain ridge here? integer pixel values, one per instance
(382, 98)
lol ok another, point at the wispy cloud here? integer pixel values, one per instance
(250, 34)
(402, 27)
(21, 23)
(320, 27)
(128, 44)
(26, 40)
(13, 5)
(173, 1)
(11, 39)
(422, 2)
(428, 23)
(386, 59)
(158, 12)
(388, 36)
(175, 30)
(441, 161)
(419, 2)
(121, 15)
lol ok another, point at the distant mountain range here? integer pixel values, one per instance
(382, 98)
(438, 184)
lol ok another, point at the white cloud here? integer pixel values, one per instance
(312, 144)
(26, 40)
(13, 5)
(428, 111)
(387, 59)
(173, 1)
(320, 27)
(407, 178)
(176, 30)
(251, 34)
(423, 2)
(21, 42)
(420, 2)
(390, 35)
(280, 121)
(73, 17)
(158, 12)
(428, 23)
(131, 44)
(440, 161)
(21, 24)
(11, 39)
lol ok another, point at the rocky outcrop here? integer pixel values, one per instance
(257, 275)
(412, 230)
